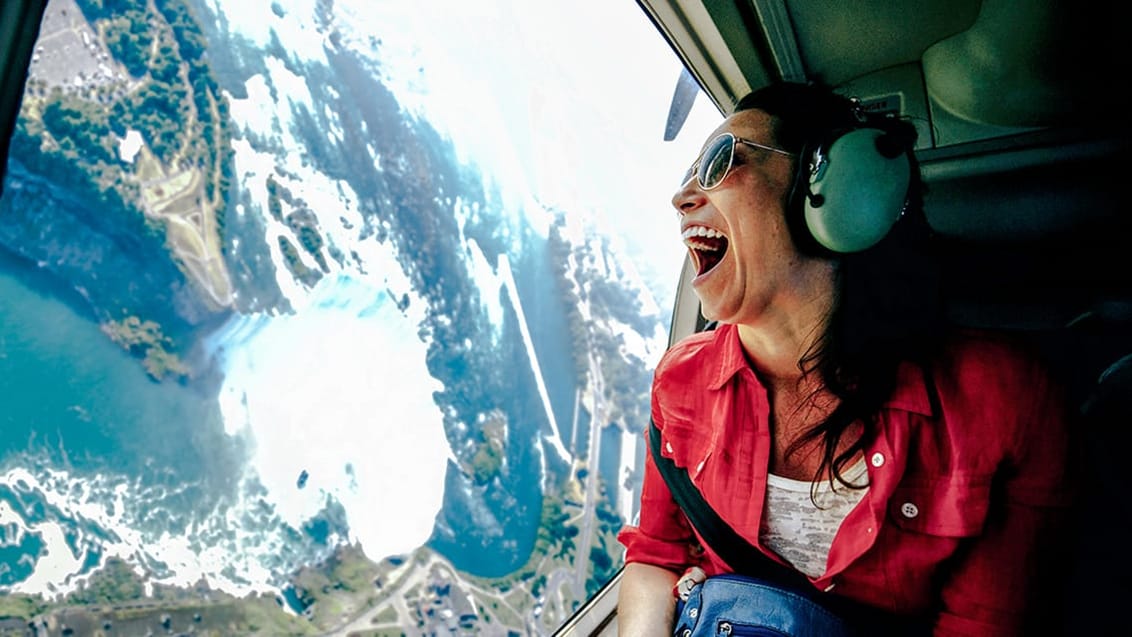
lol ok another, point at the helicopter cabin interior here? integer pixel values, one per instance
(1022, 135)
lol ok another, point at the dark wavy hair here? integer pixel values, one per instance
(887, 307)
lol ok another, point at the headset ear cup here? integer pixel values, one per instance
(856, 193)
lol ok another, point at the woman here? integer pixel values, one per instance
(931, 462)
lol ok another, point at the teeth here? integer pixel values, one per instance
(701, 231)
(696, 245)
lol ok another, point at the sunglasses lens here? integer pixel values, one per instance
(716, 161)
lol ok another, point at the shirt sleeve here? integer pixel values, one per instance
(1007, 577)
(662, 537)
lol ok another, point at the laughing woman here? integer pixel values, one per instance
(832, 420)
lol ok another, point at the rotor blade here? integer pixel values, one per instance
(682, 99)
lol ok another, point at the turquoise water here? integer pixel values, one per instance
(13, 549)
(80, 416)
(74, 397)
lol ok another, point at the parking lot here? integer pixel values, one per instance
(69, 55)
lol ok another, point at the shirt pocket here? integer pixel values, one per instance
(683, 442)
(941, 506)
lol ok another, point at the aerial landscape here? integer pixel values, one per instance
(310, 370)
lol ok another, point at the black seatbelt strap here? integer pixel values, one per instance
(739, 554)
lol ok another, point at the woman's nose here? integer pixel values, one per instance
(688, 198)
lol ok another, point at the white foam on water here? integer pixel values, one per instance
(109, 516)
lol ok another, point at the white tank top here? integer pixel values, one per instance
(800, 532)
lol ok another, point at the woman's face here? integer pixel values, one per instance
(748, 270)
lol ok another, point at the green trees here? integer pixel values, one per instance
(114, 583)
(129, 40)
(488, 459)
(145, 339)
(308, 276)
(85, 124)
(167, 52)
(274, 205)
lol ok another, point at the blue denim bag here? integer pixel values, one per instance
(740, 606)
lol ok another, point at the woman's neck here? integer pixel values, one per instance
(775, 351)
(777, 338)
(775, 348)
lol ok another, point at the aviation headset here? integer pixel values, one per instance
(852, 186)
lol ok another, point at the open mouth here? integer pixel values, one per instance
(707, 247)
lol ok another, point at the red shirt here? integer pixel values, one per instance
(965, 487)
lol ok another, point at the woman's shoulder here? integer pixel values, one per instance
(990, 364)
(972, 348)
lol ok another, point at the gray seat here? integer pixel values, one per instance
(1097, 587)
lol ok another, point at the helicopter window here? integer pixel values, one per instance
(331, 316)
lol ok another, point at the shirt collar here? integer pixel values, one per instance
(731, 359)
(910, 394)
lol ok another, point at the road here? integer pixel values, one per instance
(597, 418)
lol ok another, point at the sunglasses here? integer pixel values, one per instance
(713, 165)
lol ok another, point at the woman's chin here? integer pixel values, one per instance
(709, 309)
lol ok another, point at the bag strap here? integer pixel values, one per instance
(739, 554)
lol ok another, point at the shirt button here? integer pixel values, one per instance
(909, 510)
(668, 446)
(700, 467)
(878, 459)
(830, 587)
